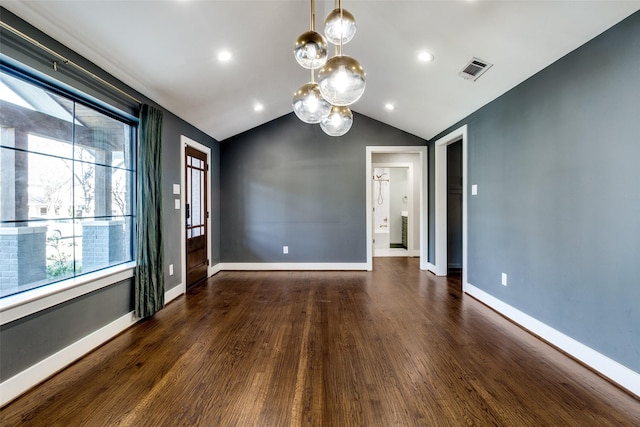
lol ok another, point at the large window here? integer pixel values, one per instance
(66, 186)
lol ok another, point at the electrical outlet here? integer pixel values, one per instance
(474, 190)
(285, 250)
(170, 269)
(504, 279)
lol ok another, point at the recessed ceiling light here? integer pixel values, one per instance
(258, 107)
(425, 56)
(224, 56)
(389, 106)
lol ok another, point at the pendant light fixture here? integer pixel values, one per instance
(310, 49)
(341, 79)
(311, 52)
(308, 103)
(338, 122)
(340, 26)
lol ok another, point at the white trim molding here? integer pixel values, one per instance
(35, 374)
(29, 302)
(174, 293)
(441, 200)
(291, 266)
(431, 268)
(214, 269)
(184, 142)
(421, 150)
(619, 374)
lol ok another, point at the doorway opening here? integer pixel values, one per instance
(454, 208)
(393, 213)
(195, 205)
(412, 160)
(451, 204)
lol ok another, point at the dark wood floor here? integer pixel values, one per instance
(394, 347)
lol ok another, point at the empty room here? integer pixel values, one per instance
(319, 213)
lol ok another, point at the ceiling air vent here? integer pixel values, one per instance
(473, 69)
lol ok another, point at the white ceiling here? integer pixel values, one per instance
(167, 51)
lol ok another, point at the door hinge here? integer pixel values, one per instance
(207, 215)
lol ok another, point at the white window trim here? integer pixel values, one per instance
(24, 304)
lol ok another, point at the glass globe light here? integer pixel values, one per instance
(336, 28)
(342, 80)
(338, 122)
(310, 50)
(309, 105)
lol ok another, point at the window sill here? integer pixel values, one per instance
(17, 306)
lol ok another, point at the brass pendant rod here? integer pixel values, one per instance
(341, 25)
(313, 15)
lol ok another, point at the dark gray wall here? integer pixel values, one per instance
(556, 161)
(31, 339)
(173, 129)
(287, 183)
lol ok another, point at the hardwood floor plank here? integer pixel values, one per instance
(396, 346)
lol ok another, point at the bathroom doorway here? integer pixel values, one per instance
(414, 161)
(392, 201)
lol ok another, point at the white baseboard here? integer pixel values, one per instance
(34, 375)
(213, 270)
(19, 383)
(274, 266)
(621, 375)
(174, 293)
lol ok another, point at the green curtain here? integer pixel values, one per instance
(149, 280)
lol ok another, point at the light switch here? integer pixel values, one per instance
(176, 188)
(177, 203)
(474, 190)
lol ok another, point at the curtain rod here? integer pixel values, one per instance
(65, 60)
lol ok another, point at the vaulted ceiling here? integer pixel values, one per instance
(167, 50)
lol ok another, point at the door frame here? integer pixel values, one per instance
(185, 141)
(422, 191)
(440, 145)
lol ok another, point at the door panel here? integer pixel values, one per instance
(196, 214)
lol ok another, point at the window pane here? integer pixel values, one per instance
(195, 211)
(66, 204)
(49, 187)
(121, 190)
(84, 183)
(102, 243)
(62, 238)
(101, 136)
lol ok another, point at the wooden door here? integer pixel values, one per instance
(196, 214)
